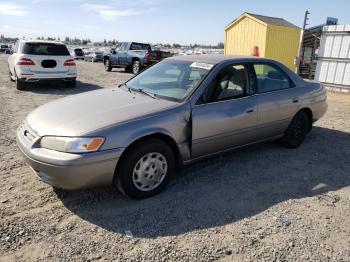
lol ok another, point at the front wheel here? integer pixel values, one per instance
(145, 169)
(297, 131)
(108, 66)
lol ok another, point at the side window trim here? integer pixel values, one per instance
(290, 81)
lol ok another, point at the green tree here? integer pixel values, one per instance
(221, 45)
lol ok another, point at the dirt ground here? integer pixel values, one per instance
(261, 203)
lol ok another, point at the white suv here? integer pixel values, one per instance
(35, 60)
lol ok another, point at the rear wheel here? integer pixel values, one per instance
(145, 169)
(128, 69)
(136, 67)
(297, 131)
(10, 75)
(72, 83)
(108, 66)
(20, 85)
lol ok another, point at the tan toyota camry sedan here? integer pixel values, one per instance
(177, 111)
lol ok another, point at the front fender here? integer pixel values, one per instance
(148, 132)
(172, 124)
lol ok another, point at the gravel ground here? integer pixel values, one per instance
(261, 203)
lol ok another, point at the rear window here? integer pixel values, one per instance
(4, 46)
(78, 51)
(45, 49)
(138, 46)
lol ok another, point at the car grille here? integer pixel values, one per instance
(27, 134)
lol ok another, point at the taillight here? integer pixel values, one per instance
(69, 62)
(25, 61)
(148, 56)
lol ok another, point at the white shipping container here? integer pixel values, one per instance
(333, 65)
(333, 72)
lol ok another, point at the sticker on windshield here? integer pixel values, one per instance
(202, 65)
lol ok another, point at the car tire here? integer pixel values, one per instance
(296, 131)
(136, 67)
(71, 84)
(10, 76)
(128, 69)
(20, 85)
(155, 156)
(107, 65)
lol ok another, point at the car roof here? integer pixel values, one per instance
(42, 41)
(216, 59)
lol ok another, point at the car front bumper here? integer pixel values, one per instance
(69, 171)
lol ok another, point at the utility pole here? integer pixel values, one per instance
(298, 59)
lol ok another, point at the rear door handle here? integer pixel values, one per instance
(295, 100)
(250, 111)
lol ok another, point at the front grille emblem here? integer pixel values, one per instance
(25, 133)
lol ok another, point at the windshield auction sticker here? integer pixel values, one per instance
(202, 65)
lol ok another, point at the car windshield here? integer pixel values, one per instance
(45, 49)
(172, 80)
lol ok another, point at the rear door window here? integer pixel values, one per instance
(45, 49)
(271, 78)
(138, 46)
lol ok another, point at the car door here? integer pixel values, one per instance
(278, 99)
(122, 54)
(226, 115)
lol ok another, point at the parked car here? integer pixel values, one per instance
(36, 61)
(4, 48)
(173, 113)
(78, 53)
(94, 56)
(132, 56)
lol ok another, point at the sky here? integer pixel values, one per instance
(154, 21)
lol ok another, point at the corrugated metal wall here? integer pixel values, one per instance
(282, 44)
(241, 37)
(333, 65)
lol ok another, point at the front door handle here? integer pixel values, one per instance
(250, 111)
(295, 100)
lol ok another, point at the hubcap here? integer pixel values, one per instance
(150, 171)
(136, 68)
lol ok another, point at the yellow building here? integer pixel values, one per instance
(276, 38)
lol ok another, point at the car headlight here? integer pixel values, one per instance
(72, 144)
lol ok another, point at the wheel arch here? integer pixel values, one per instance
(309, 113)
(135, 59)
(106, 57)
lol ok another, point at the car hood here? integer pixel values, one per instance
(82, 114)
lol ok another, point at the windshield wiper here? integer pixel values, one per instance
(143, 91)
(124, 85)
